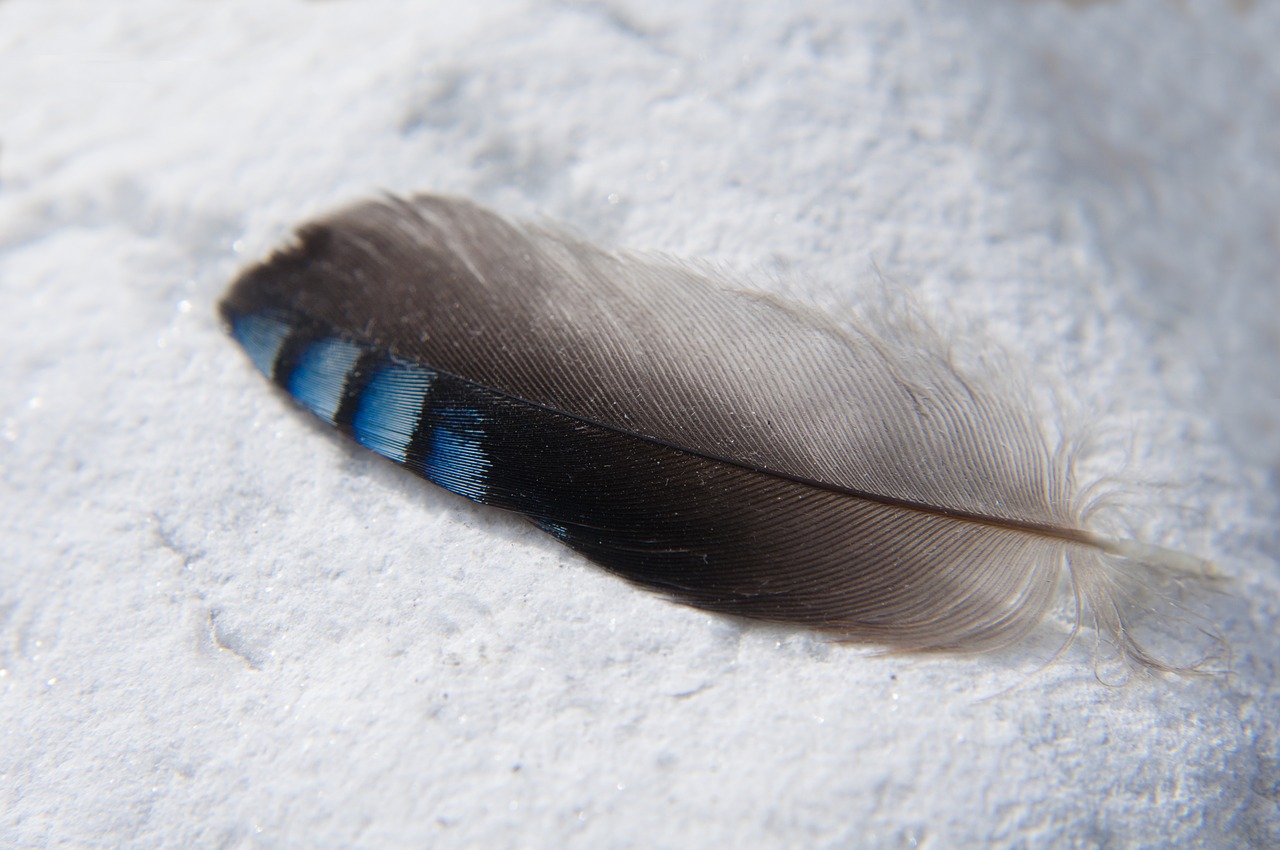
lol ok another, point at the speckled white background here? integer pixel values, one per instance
(222, 627)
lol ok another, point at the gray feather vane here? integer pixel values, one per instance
(718, 446)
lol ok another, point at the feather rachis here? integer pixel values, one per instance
(730, 450)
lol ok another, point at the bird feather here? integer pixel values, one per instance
(731, 451)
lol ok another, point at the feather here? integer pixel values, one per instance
(730, 451)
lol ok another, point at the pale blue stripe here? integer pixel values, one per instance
(390, 407)
(458, 461)
(553, 528)
(261, 336)
(321, 375)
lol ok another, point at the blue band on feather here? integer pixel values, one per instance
(262, 336)
(321, 375)
(390, 407)
(457, 460)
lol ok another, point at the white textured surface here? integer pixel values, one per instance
(222, 627)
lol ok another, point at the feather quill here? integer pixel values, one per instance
(730, 451)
